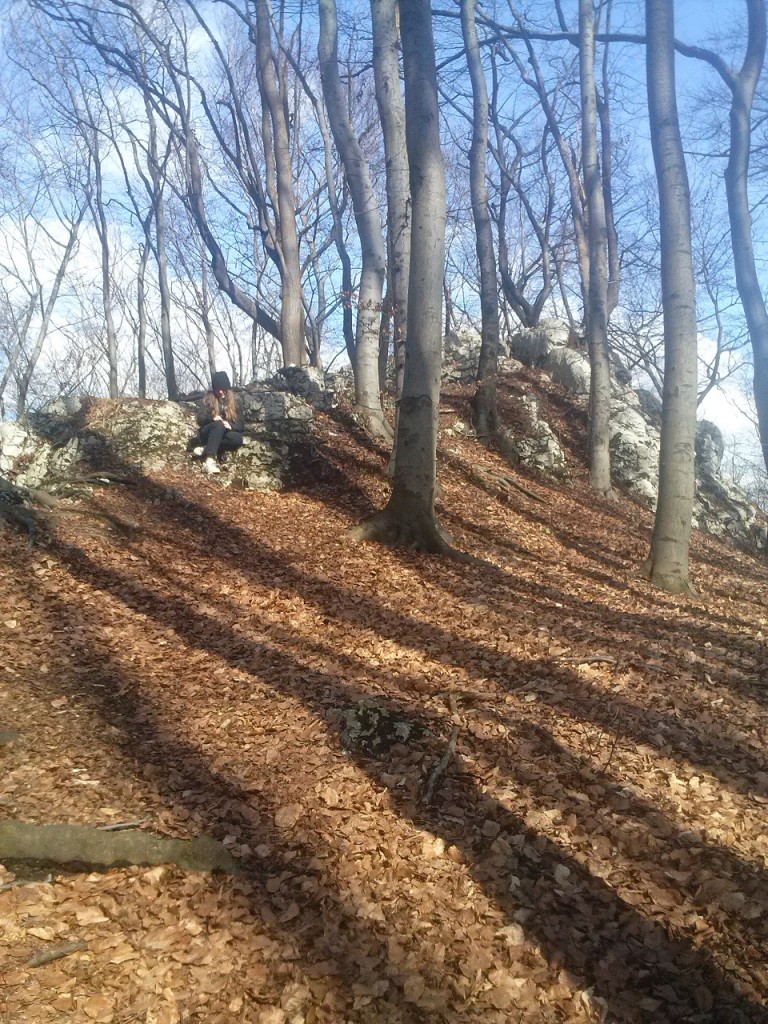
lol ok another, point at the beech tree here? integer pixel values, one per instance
(371, 289)
(409, 517)
(485, 399)
(667, 564)
(389, 100)
(742, 85)
(596, 298)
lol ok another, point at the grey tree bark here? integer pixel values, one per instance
(596, 306)
(667, 564)
(486, 414)
(742, 86)
(389, 99)
(409, 517)
(365, 206)
(277, 133)
(156, 170)
(736, 185)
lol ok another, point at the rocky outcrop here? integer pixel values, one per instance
(535, 446)
(145, 436)
(308, 383)
(720, 507)
(76, 434)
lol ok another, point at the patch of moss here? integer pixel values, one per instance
(373, 729)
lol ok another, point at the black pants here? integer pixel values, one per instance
(216, 438)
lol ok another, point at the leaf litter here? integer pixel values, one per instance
(593, 847)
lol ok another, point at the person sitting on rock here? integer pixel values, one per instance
(221, 423)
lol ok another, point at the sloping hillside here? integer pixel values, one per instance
(572, 827)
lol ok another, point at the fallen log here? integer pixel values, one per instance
(80, 844)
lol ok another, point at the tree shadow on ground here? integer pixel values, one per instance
(577, 920)
(583, 925)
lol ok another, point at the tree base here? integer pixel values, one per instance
(376, 423)
(419, 533)
(670, 582)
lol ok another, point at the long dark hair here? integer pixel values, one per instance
(231, 405)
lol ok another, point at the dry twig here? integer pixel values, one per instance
(442, 764)
(47, 956)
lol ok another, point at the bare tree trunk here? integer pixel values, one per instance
(389, 98)
(736, 186)
(102, 231)
(369, 306)
(606, 150)
(205, 307)
(291, 310)
(409, 517)
(667, 564)
(161, 254)
(486, 414)
(141, 313)
(25, 378)
(194, 185)
(596, 305)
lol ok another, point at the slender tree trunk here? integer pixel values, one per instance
(369, 306)
(606, 149)
(161, 254)
(141, 313)
(389, 98)
(667, 564)
(25, 379)
(245, 302)
(166, 340)
(486, 414)
(102, 230)
(291, 310)
(205, 316)
(736, 186)
(409, 517)
(596, 305)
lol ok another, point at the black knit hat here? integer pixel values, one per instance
(220, 382)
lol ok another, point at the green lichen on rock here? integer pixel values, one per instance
(371, 728)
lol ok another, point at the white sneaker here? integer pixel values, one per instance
(198, 452)
(210, 466)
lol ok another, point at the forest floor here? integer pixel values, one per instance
(578, 835)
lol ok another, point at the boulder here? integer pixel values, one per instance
(28, 459)
(142, 435)
(308, 383)
(570, 369)
(145, 436)
(533, 345)
(720, 507)
(650, 403)
(634, 445)
(535, 445)
(710, 448)
(460, 357)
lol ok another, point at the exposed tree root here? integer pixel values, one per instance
(500, 484)
(15, 508)
(442, 764)
(418, 534)
(670, 582)
(68, 844)
(375, 422)
(422, 534)
(22, 518)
